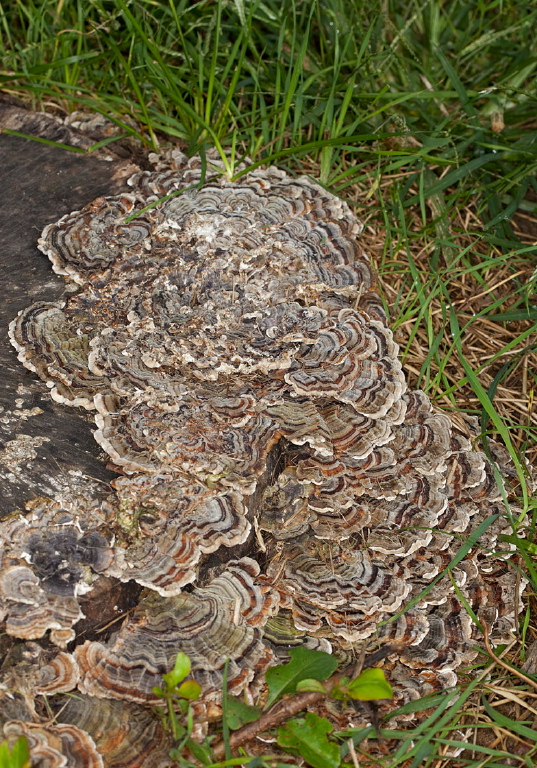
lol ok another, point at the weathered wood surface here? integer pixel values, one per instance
(40, 442)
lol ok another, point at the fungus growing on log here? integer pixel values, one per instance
(245, 382)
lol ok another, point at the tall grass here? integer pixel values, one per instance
(408, 85)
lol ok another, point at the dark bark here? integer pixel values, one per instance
(40, 183)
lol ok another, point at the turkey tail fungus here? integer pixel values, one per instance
(245, 382)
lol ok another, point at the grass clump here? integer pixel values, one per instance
(345, 83)
(422, 114)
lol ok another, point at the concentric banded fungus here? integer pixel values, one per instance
(63, 362)
(342, 587)
(37, 674)
(49, 557)
(210, 624)
(176, 523)
(245, 380)
(56, 746)
(89, 240)
(126, 735)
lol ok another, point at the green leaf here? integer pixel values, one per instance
(308, 738)
(189, 690)
(181, 669)
(239, 713)
(304, 664)
(371, 684)
(201, 752)
(16, 757)
(20, 754)
(309, 684)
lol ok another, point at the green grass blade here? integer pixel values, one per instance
(48, 142)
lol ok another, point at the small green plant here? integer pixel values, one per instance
(305, 665)
(306, 736)
(16, 757)
(178, 693)
(370, 685)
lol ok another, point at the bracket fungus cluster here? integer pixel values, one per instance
(272, 463)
